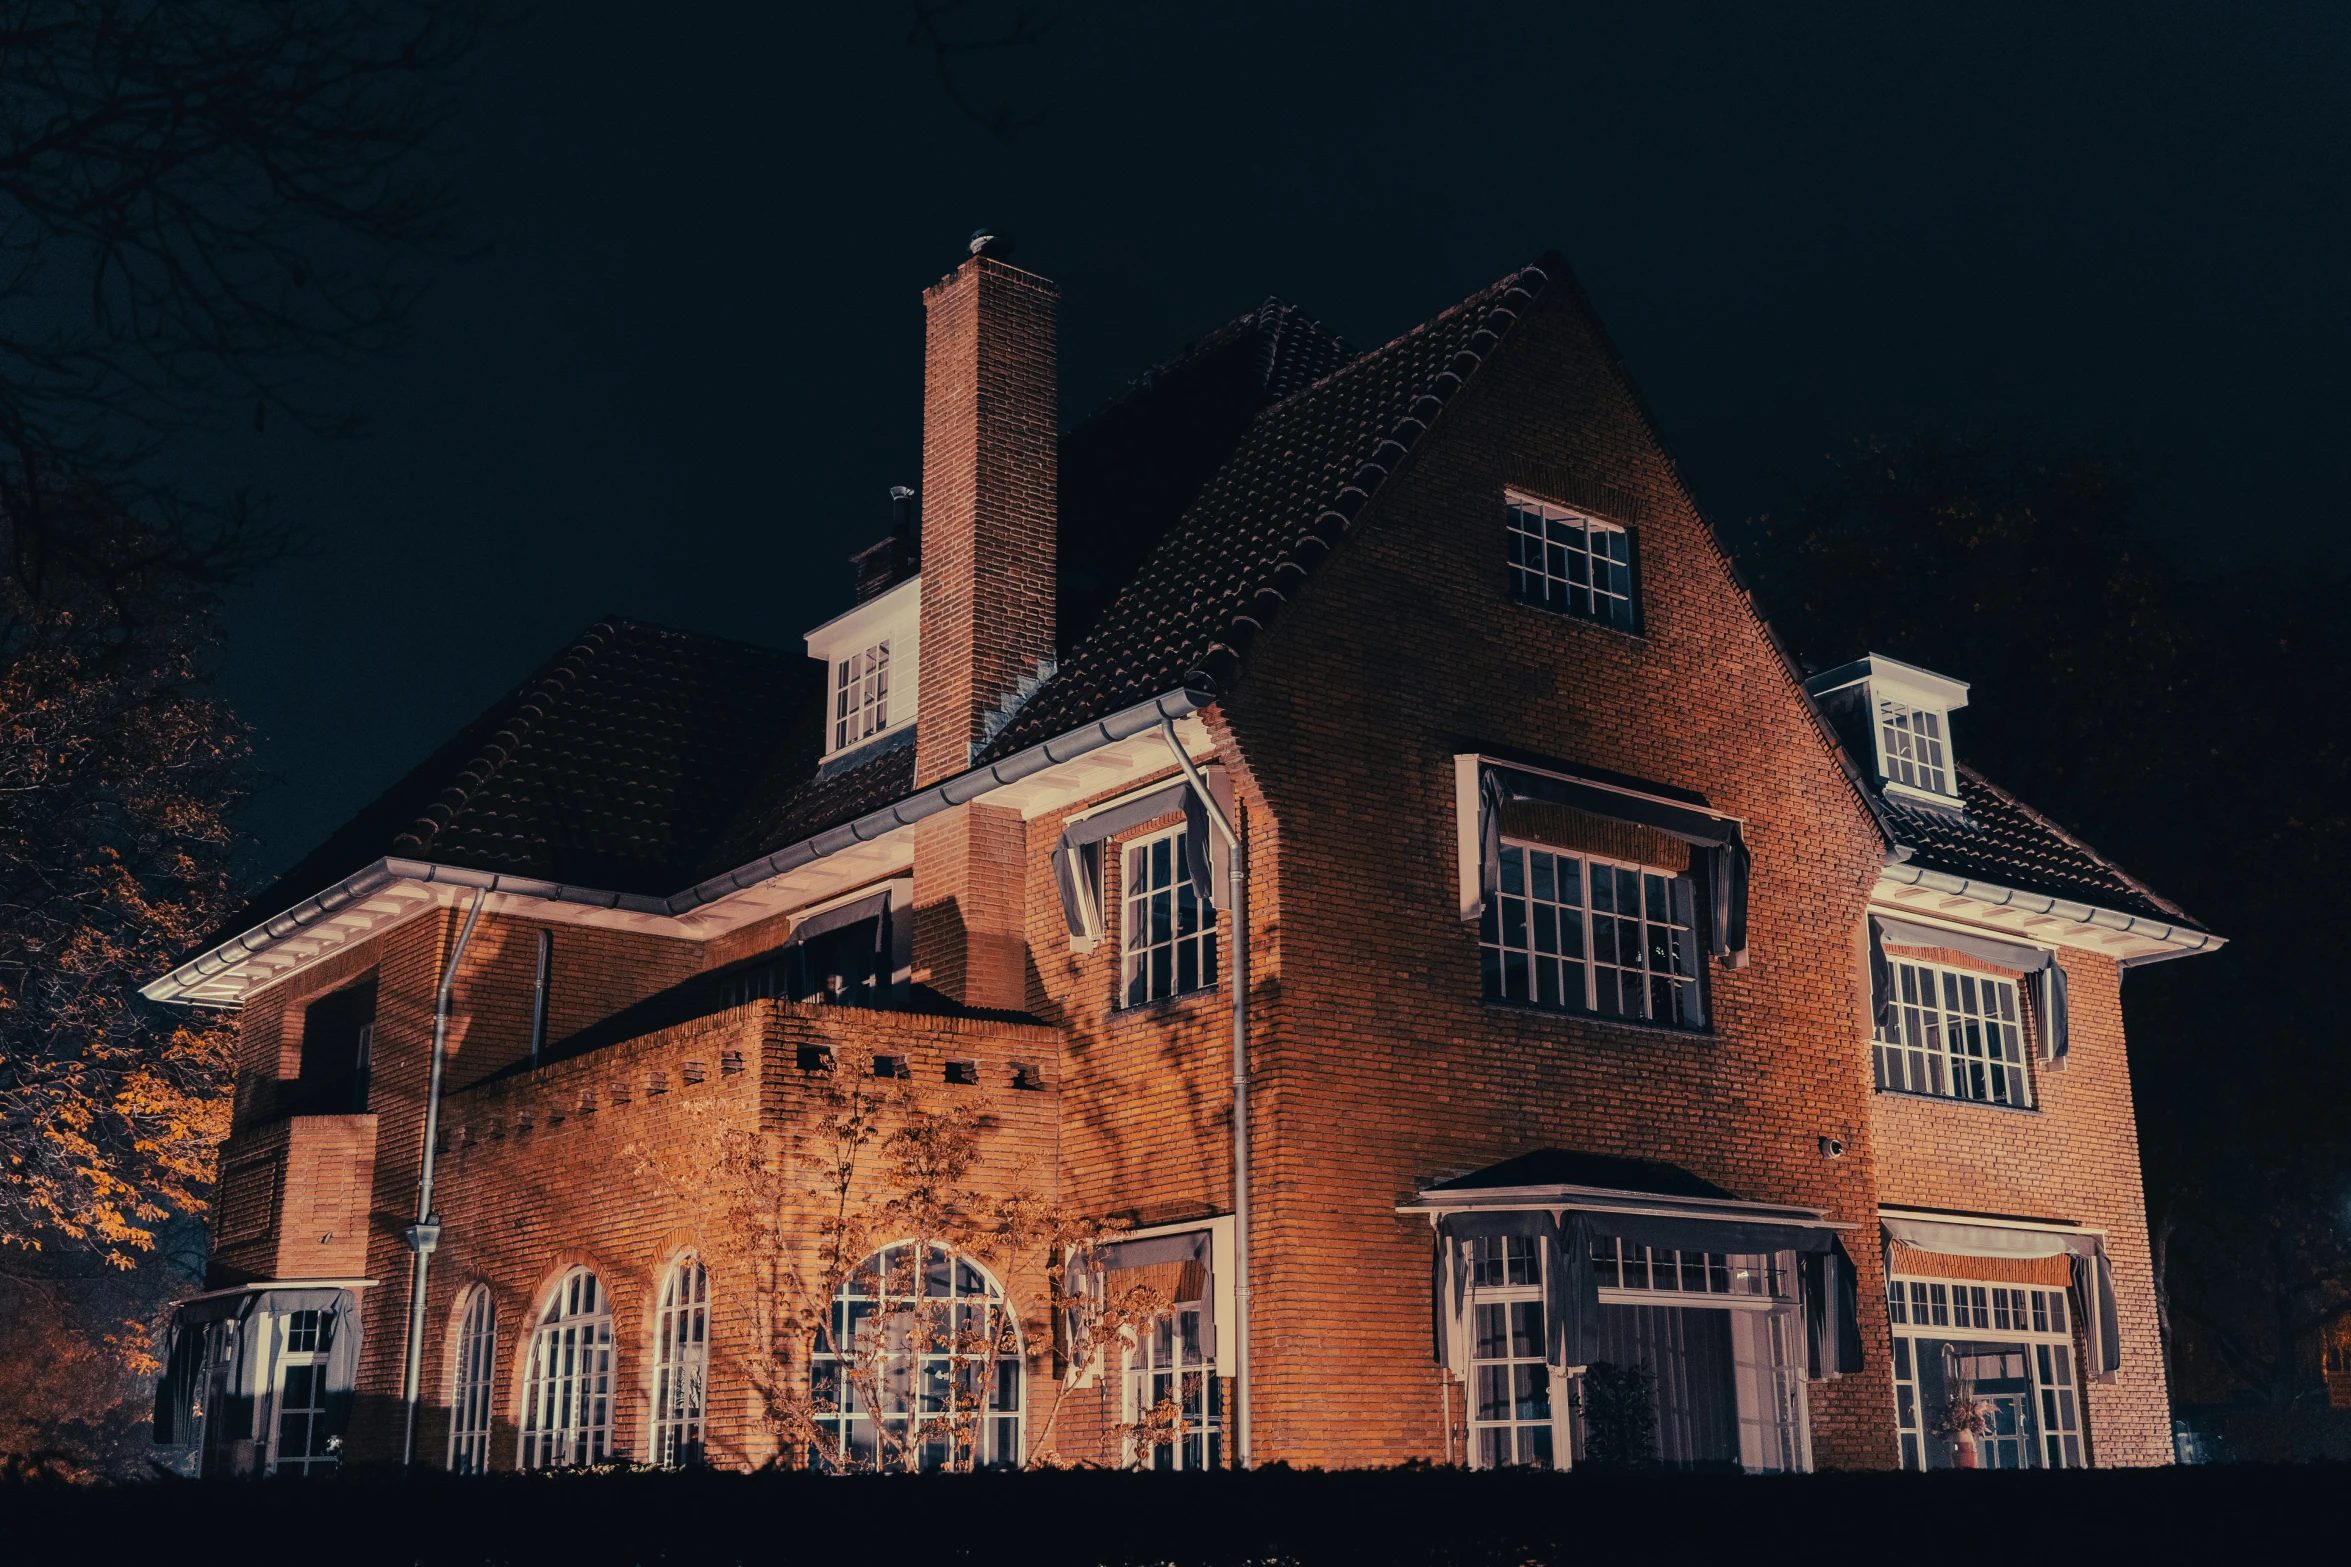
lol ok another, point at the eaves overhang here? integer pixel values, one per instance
(2130, 939)
(1434, 1205)
(1070, 766)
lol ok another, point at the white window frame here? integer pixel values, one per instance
(893, 620)
(1169, 1361)
(681, 1365)
(1914, 748)
(1510, 1298)
(861, 696)
(1494, 937)
(1136, 960)
(1974, 1311)
(1998, 1036)
(567, 1395)
(1543, 562)
(1001, 1434)
(476, 1366)
(1759, 1290)
(314, 1361)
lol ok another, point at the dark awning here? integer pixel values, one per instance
(1722, 867)
(2013, 955)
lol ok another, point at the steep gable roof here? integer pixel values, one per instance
(1306, 469)
(1130, 471)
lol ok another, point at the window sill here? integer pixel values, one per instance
(1165, 1005)
(1594, 1020)
(1951, 1099)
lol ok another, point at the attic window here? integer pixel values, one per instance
(861, 695)
(1899, 716)
(1910, 745)
(1565, 561)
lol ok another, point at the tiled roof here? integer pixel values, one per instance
(621, 764)
(1129, 472)
(1306, 468)
(644, 760)
(2005, 842)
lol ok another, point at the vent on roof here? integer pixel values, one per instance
(882, 566)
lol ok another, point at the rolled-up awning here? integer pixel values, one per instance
(217, 1358)
(1484, 785)
(2093, 1274)
(1533, 1195)
(2056, 1027)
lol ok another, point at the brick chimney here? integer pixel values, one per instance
(990, 476)
(990, 473)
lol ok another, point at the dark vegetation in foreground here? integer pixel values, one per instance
(1274, 1515)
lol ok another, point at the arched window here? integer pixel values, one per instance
(918, 1367)
(567, 1403)
(681, 1364)
(469, 1409)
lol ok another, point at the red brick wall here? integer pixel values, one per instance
(2076, 1158)
(627, 1187)
(990, 465)
(1384, 1071)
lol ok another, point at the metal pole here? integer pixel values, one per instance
(1240, 966)
(425, 1233)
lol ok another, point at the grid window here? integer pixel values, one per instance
(2005, 1348)
(1623, 1264)
(1912, 740)
(469, 1413)
(1955, 1033)
(1565, 561)
(567, 1401)
(861, 696)
(1510, 1402)
(301, 1443)
(1577, 934)
(681, 1365)
(1170, 931)
(1169, 1371)
(918, 1367)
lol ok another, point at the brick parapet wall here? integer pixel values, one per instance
(621, 1160)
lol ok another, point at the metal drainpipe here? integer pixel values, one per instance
(1240, 966)
(425, 1233)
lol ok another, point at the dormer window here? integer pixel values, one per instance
(861, 696)
(873, 653)
(1910, 740)
(1897, 717)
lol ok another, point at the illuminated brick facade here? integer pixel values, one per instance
(1348, 653)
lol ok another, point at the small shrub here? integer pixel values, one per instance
(1619, 1409)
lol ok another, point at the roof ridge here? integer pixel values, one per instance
(532, 705)
(1966, 770)
(1423, 329)
(1337, 518)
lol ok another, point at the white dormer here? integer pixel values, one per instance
(1906, 712)
(873, 652)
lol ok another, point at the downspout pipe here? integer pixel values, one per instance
(425, 1233)
(1240, 968)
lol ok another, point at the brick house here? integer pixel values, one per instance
(1611, 995)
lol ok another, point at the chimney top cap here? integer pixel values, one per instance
(987, 242)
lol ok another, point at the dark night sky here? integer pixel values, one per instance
(679, 379)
